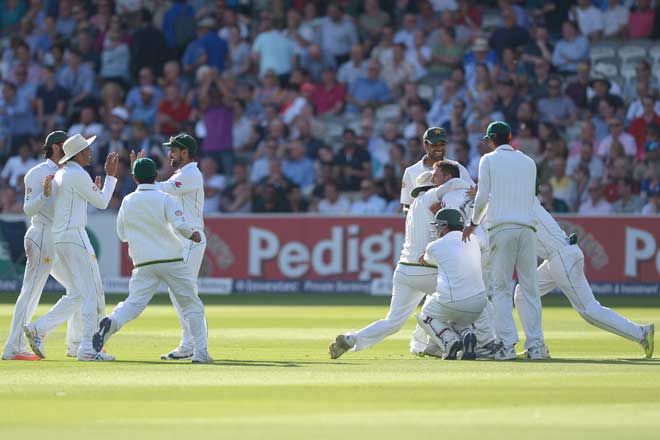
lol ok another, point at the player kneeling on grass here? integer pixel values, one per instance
(147, 220)
(460, 296)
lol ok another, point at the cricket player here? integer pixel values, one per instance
(563, 267)
(40, 252)
(412, 280)
(147, 220)
(73, 189)
(458, 199)
(187, 186)
(507, 183)
(460, 296)
(435, 144)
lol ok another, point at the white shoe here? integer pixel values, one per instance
(506, 354)
(178, 354)
(203, 358)
(96, 357)
(35, 340)
(538, 352)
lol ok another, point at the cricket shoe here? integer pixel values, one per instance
(341, 345)
(647, 341)
(35, 340)
(539, 352)
(469, 346)
(487, 351)
(178, 354)
(506, 354)
(96, 357)
(445, 338)
(23, 356)
(202, 358)
(107, 327)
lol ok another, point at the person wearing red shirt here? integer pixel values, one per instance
(638, 125)
(173, 112)
(329, 96)
(641, 20)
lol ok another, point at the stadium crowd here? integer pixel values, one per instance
(315, 106)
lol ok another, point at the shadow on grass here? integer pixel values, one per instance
(237, 363)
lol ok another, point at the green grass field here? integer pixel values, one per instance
(272, 379)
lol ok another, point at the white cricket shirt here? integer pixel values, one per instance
(550, 237)
(459, 266)
(411, 173)
(187, 186)
(74, 188)
(147, 220)
(39, 208)
(507, 187)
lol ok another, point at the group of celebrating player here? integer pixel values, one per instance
(161, 222)
(464, 264)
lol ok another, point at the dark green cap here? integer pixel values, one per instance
(144, 169)
(183, 141)
(419, 189)
(497, 128)
(449, 217)
(55, 137)
(435, 135)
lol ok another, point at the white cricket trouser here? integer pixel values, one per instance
(459, 314)
(179, 280)
(410, 285)
(40, 253)
(193, 255)
(565, 270)
(512, 247)
(84, 290)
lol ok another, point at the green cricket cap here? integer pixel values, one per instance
(435, 135)
(183, 141)
(55, 137)
(497, 128)
(448, 216)
(144, 169)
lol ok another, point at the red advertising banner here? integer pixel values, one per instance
(622, 253)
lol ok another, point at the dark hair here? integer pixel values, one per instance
(448, 168)
(500, 138)
(146, 15)
(48, 151)
(146, 180)
(454, 227)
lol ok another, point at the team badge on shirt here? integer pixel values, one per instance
(178, 184)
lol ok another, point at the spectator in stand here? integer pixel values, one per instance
(635, 108)
(557, 107)
(267, 201)
(641, 21)
(606, 111)
(638, 125)
(146, 108)
(539, 48)
(141, 140)
(570, 50)
(272, 50)
(585, 158)
(117, 141)
(510, 34)
(596, 203)
(329, 96)
(16, 116)
(419, 55)
(383, 50)
(653, 205)
(146, 78)
(578, 192)
(408, 28)
(615, 19)
(301, 36)
(333, 203)
(148, 45)
(214, 183)
(601, 88)
(239, 53)
(617, 135)
(51, 101)
(207, 49)
(173, 112)
(651, 152)
(372, 20)
(216, 108)
(238, 195)
(10, 202)
(337, 33)
(25, 62)
(244, 135)
(560, 182)
(268, 151)
(352, 165)
(77, 78)
(446, 53)
(442, 109)
(298, 168)
(368, 91)
(398, 71)
(578, 86)
(115, 58)
(549, 202)
(87, 124)
(628, 203)
(507, 101)
(314, 61)
(540, 79)
(281, 187)
(17, 166)
(589, 18)
(369, 203)
(480, 55)
(353, 69)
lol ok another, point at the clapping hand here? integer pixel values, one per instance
(111, 164)
(97, 182)
(135, 157)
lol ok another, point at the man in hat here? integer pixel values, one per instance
(460, 295)
(147, 220)
(435, 144)
(507, 187)
(40, 253)
(187, 186)
(412, 280)
(73, 188)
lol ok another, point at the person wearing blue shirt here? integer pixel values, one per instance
(169, 20)
(299, 168)
(368, 91)
(207, 49)
(570, 50)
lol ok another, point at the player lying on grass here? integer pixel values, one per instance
(147, 220)
(563, 267)
(460, 295)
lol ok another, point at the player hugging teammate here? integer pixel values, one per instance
(465, 269)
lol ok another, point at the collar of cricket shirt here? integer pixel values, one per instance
(51, 164)
(146, 187)
(188, 165)
(505, 147)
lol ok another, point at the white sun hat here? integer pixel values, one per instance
(74, 145)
